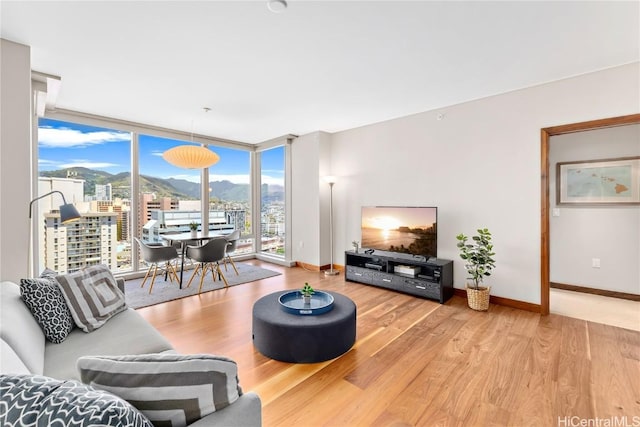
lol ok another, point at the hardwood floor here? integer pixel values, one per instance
(416, 362)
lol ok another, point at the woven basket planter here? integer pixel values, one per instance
(478, 299)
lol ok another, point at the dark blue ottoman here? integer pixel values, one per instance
(303, 338)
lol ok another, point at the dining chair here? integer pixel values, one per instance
(209, 256)
(155, 255)
(232, 241)
(180, 246)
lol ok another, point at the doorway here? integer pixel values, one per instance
(546, 134)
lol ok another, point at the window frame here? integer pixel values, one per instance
(137, 129)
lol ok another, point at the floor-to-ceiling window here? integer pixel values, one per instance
(91, 166)
(230, 196)
(169, 198)
(95, 168)
(272, 201)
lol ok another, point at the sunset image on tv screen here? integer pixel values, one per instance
(411, 230)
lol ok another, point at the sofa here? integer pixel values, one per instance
(25, 351)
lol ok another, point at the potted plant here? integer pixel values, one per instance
(306, 292)
(479, 263)
(194, 228)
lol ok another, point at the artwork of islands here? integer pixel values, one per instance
(400, 229)
(604, 181)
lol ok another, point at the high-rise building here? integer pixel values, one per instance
(170, 221)
(90, 240)
(104, 192)
(150, 202)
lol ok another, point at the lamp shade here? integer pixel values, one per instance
(68, 213)
(329, 179)
(191, 157)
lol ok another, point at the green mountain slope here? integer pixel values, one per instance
(174, 188)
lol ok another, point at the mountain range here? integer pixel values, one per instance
(174, 188)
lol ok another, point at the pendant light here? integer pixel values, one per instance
(191, 156)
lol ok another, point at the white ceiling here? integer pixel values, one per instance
(320, 65)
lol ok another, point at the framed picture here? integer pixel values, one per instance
(598, 182)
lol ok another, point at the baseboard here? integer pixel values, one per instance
(308, 267)
(275, 260)
(335, 267)
(507, 302)
(601, 292)
(313, 267)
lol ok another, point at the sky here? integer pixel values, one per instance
(64, 145)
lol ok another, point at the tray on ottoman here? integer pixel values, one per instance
(293, 302)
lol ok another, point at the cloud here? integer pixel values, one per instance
(266, 179)
(87, 164)
(73, 138)
(47, 162)
(157, 153)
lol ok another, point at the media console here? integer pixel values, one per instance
(432, 278)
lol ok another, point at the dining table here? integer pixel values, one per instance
(183, 238)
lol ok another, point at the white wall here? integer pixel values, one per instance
(480, 165)
(581, 233)
(310, 157)
(15, 158)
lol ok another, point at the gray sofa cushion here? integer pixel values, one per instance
(92, 295)
(246, 411)
(10, 363)
(171, 389)
(35, 400)
(125, 333)
(19, 329)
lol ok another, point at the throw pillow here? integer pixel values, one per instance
(92, 295)
(45, 301)
(168, 388)
(35, 400)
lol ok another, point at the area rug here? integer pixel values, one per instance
(138, 297)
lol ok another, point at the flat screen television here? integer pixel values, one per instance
(410, 230)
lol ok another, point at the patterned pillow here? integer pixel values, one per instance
(35, 400)
(92, 295)
(46, 303)
(168, 388)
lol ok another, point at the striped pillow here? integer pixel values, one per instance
(92, 295)
(170, 389)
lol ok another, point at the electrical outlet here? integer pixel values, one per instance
(595, 262)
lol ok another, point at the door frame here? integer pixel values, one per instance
(545, 135)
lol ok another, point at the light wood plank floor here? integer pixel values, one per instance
(416, 362)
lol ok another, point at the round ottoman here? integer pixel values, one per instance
(303, 338)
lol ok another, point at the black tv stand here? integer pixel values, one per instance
(427, 278)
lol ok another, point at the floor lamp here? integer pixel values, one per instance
(331, 180)
(68, 213)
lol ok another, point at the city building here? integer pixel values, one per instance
(104, 192)
(90, 240)
(177, 221)
(150, 202)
